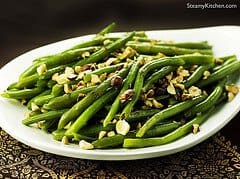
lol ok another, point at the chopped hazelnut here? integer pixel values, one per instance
(126, 96)
(116, 81)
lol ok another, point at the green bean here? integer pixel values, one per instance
(227, 57)
(80, 106)
(46, 92)
(148, 48)
(51, 83)
(48, 74)
(51, 115)
(226, 62)
(162, 129)
(58, 134)
(50, 124)
(105, 51)
(127, 84)
(156, 76)
(57, 90)
(221, 73)
(109, 142)
(176, 134)
(168, 112)
(27, 82)
(140, 115)
(94, 130)
(197, 75)
(83, 119)
(210, 101)
(107, 29)
(78, 137)
(189, 45)
(108, 69)
(22, 94)
(57, 59)
(67, 100)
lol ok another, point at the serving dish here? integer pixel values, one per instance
(225, 41)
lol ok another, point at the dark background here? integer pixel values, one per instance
(28, 24)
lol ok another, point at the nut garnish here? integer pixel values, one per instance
(126, 96)
(196, 128)
(169, 76)
(194, 91)
(232, 88)
(116, 81)
(85, 54)
(182, 72)
(67, 88)
(95, 79)
(34, 107)
(218, 61)
(128, 52)
(206, 74)
(111, 61)
(122, 127)
(41, 69)
(102, 134)
(61, 79)
(157, 104)
(55, 76)
(171, 89)
(179, 85)
(65, 140)
(230, 96)
(85, 145)
(111, 133)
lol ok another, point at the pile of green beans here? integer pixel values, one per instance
(129, 91)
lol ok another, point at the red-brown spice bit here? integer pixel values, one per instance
(116, 81)
(127, 95)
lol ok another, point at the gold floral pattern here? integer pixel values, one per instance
(215, 158)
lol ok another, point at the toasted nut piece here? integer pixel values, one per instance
(122, 127)
(233, 89)
(169, 76)
(150, 93)
(177, 79)
(127, 95)
(102, 134)
(65, 140)
(26, 115)
(182, 72)
(34, 107)
(160, 55)
(111, 61)
(194, 91)
(128, 52)
(41, 69)
(157, 104)
(116, 81)
(111, 133)
(85, 54)
(193, 68)
(179, 85)
(106, 42)
(95, 79)
(139, 125)
(67, 88)
(196, 128)
(103, 76)
(43, 110)
(68, 70)
(114, 121)
(171, 89)
(206, 74)
(148, 103)
(61, 79)
(85, 145)
(186, 96)
(218, 61)
(55, 76)
(230, 96)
